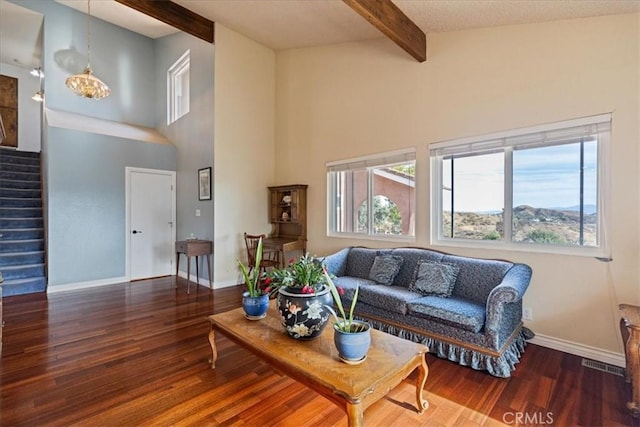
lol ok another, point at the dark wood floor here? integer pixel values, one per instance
(137, 354)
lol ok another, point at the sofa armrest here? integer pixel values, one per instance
(337, 263)
(511, 290)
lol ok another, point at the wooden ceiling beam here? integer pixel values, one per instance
(175, 15)
(388, 18)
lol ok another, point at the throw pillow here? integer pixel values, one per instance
(434, 278)
(385, 268)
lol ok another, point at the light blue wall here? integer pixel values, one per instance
(86, 227)
(85, 172)
(192, 134)
(121, 58)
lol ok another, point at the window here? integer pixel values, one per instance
(178, 88)
(373, 196)
(541, 188)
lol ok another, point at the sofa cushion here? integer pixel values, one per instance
(391, 298)
(385, 268)
(359, 262)
(454, 311)
(434, 278)
(349, 284)
(477, 277)
(411, 257)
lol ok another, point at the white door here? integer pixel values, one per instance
(151, 234)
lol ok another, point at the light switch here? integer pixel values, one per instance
(197, 212)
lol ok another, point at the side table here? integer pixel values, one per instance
(194, 248)
(630, 328)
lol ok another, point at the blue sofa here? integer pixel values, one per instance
(479, 324)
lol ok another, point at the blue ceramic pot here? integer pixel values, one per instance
(255, 307)
(304, 316)
(352, 346)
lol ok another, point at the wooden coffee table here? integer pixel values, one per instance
(315, 363)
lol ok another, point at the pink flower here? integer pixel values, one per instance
(306, 289)
(291, 261)
(267, 280)
(267, 290)
(340, 291)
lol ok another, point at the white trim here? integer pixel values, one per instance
(546, 127)
(578, 349)
(372, 156)
(52, 289)
(82, 123)
(127, 209)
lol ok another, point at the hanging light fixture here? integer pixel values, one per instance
(39, 96)
(86, 84)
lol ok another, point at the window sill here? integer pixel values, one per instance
(591, 252)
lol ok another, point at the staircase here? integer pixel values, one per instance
(21, 223)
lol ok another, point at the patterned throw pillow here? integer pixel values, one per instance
(434, 278)
(385, 268)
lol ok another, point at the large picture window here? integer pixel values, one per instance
(373, 196)
(541, 188)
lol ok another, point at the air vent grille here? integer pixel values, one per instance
(604, 367)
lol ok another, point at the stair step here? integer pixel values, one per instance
(14, 212)
(26, 245)
(19, 184)
(20, 202)
(10, 234)
(20, 223)
(20, 193)
(18, 167)
(22, 271)
(30, 285)
(12, 152)
(21, 258)
(20, 176)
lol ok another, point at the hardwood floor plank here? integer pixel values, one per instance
(137, 354)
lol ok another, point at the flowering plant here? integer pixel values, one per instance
(344, 324)
(252, 275)
(305, 275)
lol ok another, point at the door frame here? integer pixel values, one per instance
(128, 171)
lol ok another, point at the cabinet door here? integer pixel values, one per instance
(294, 206)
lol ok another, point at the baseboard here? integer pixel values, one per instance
(205, 282)
(84, 285)
(593, 353)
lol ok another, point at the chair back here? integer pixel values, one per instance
(251, 241)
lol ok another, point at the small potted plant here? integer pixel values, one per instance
(302, 295)
(351, 337)
(255, 301)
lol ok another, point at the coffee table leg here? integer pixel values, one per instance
(423, 371)
(214, 352)
(355, 414)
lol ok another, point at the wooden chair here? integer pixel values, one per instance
(270, 259)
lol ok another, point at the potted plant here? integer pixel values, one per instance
(255, 301)
(302, 296)
(351, 337)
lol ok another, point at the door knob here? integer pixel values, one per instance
(136, 232)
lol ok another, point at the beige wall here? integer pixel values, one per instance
(353, 99)
(244, 161)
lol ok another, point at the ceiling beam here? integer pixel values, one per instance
(175, 15)
(388, 18)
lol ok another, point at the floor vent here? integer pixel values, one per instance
(604, 367)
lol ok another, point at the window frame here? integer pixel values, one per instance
(369, 163)
(178, 69)
(601, 251)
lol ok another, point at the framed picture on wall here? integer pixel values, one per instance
(204, 184)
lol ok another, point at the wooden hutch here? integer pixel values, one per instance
(288, 217)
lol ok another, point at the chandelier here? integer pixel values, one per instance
(86, 84)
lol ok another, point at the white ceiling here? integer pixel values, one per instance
(284, 24)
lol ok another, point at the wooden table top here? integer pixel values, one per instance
(390, 359)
